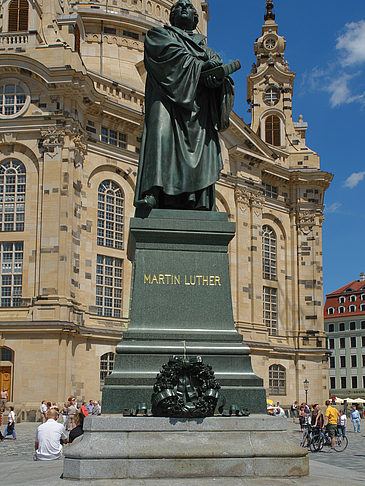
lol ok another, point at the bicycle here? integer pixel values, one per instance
(306, 437)
(322, 439)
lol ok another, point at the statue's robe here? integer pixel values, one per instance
(180, 152)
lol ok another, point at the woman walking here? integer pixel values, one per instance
(10, 428)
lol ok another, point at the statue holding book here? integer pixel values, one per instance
(189, 96)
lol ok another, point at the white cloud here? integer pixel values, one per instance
(354, 179)
(340, 91)
(332, 208)
(352, 43)
(337, 78)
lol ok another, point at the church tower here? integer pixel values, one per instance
(270, 95)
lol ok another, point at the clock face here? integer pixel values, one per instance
(272, 96)
(270, 43)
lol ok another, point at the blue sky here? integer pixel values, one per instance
(326, 49)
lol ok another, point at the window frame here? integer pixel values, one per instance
(269, 247)
(20, 10)
(17, 83)
(272, 127)
(270, 310)
(277, 372)
(106, 366)
(110, 215)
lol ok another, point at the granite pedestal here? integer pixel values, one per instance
(181, 304)
(137, 448)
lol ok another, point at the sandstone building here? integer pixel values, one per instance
(71, 113)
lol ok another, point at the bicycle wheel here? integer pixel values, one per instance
(304, 441)
(341, 444)
(316, 443)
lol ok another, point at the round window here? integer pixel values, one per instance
(270, 43)
(272, 96)
(14, 98)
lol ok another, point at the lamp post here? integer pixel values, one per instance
(306, 387)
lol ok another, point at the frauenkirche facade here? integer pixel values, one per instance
(71, 115)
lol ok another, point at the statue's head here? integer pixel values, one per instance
(184, 15)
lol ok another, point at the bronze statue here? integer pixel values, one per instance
(189, 97)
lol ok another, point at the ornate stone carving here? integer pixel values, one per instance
(242, 196)
(306, 220)
(257, 200)
(8, 138)
(51, 137)
(249, 197)
(77, 137)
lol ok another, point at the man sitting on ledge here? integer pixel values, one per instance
(49, 438)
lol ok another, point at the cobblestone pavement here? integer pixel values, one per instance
(353, 458)
(18, 468)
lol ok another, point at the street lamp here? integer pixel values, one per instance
(306, 387)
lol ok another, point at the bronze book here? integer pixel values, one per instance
(222, 71)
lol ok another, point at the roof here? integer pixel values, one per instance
(354, 286)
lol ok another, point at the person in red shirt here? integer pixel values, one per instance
(83, 410)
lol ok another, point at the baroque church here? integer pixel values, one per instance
(71, 115)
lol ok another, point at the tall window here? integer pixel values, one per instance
(106, 366)
(11, 273)
(268, 253)
(18, 16)
(12, 195)
(109, 286)
(277, 380)
(332, 382)
(77, 38)
(272, 130)
(270, 310)
(110, 215)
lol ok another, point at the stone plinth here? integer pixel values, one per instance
(181, 303)
(161, 448)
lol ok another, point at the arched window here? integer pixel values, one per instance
(18, 16)
(12, 195)
(362, 307)
(362, 296)
(272, 130)
(106, 366)
(342, 300)
(352, 298)
(110, 215)
(277, 380)
(341, 309)
(6, 354)
(330, 310)
(268, 253)
(352, 308)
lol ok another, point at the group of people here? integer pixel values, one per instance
(69, 409)
(52, 434)
(333, 419)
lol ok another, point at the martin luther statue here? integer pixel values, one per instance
(186, 106)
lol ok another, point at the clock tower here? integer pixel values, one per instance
(270, 94)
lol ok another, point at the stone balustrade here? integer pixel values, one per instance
(19, 39)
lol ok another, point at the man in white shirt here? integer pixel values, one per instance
(49, 437)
